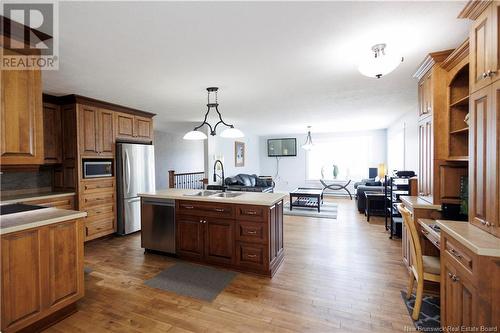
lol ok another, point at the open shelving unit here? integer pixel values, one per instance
(458, 136)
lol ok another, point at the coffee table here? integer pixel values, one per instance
(306, 198)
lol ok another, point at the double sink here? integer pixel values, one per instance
(215, 194)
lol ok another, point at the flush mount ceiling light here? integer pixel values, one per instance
(309, 142)
(230, 132)
(380, 63)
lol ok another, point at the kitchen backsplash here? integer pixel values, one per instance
(13, 181)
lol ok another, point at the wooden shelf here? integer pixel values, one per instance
(462, 101)
(460, 131)
(458, 158)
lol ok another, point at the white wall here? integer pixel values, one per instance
(292, 170)
(223, 148)
(174, 153)
(402, 143)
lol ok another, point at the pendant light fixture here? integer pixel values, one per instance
(380, 63)
(230, 132)
(309, 142)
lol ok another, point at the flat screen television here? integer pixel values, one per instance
(281, 147)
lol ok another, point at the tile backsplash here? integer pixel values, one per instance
(13, 181)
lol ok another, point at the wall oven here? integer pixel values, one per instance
(97, 169)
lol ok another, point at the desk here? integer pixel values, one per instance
(427, 231)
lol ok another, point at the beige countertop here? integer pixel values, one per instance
(478, 241)
(246, 198)
(8, 199)
(36, 218)
(417, 202)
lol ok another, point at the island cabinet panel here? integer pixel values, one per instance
(219, 240)
(189, 237)
(42, 274)
(243, 237)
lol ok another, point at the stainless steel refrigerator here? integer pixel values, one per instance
(135, 173)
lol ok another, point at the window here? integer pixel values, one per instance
(351, 155)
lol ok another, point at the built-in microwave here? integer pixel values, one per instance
(97, 169)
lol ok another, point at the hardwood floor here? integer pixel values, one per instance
(343, 275)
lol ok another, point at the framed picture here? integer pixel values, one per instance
(239, 154)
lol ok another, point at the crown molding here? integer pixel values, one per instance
(430, 60)
(474, 8)
(456, 56)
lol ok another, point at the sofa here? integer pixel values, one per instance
(366, 185)
(249, 183)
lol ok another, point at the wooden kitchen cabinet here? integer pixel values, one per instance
(484, 201)
(96, 132)
(425, 95)
(426, 158)
(42, 273)
(189, 237)
(61, 202)
(21, 117)
(484, 57)
(97, 198)
(243, 237)
(52, 133)
(133, 127)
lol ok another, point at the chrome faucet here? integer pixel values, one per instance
(221, 177)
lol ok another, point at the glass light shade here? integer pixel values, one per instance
(379, 66)
(307, 146)
(194, 135)
(232, 132)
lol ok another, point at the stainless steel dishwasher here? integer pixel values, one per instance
(158, 225)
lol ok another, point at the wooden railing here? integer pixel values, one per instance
(190, 180)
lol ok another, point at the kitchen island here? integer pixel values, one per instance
(236, 230)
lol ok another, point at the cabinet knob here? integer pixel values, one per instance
(490, 73)
(484, 75)
(201, 221)
(456, 253)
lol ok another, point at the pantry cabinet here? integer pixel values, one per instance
(133, 127)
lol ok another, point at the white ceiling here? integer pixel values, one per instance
(280, 65)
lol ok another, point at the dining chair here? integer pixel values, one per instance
(422, 267)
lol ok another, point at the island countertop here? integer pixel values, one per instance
(246, 198)
(36, 218)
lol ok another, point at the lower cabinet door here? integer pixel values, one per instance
(460, 300)
(65, 263)
(21, 278)
(219, 240)
(189, 236)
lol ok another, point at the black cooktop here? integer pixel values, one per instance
(17, 208)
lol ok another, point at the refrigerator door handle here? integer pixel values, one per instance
(127, 172)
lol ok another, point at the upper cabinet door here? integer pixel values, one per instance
(106, 137)
(89, 145)
(483, 159)
(21, 117)
(143, 128)
(124, 125)
(52, 130)
(484, 57)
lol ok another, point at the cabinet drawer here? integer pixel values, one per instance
(431, 237)
(90, 200)
(252, 255)
(204, 209)
(251, 232)
(459, 255)
(251, 213)
(98, 228)
(96, 212)
(92, 186)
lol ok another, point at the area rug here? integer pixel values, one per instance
(328, 211)
(195, 281)
(429, 312)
